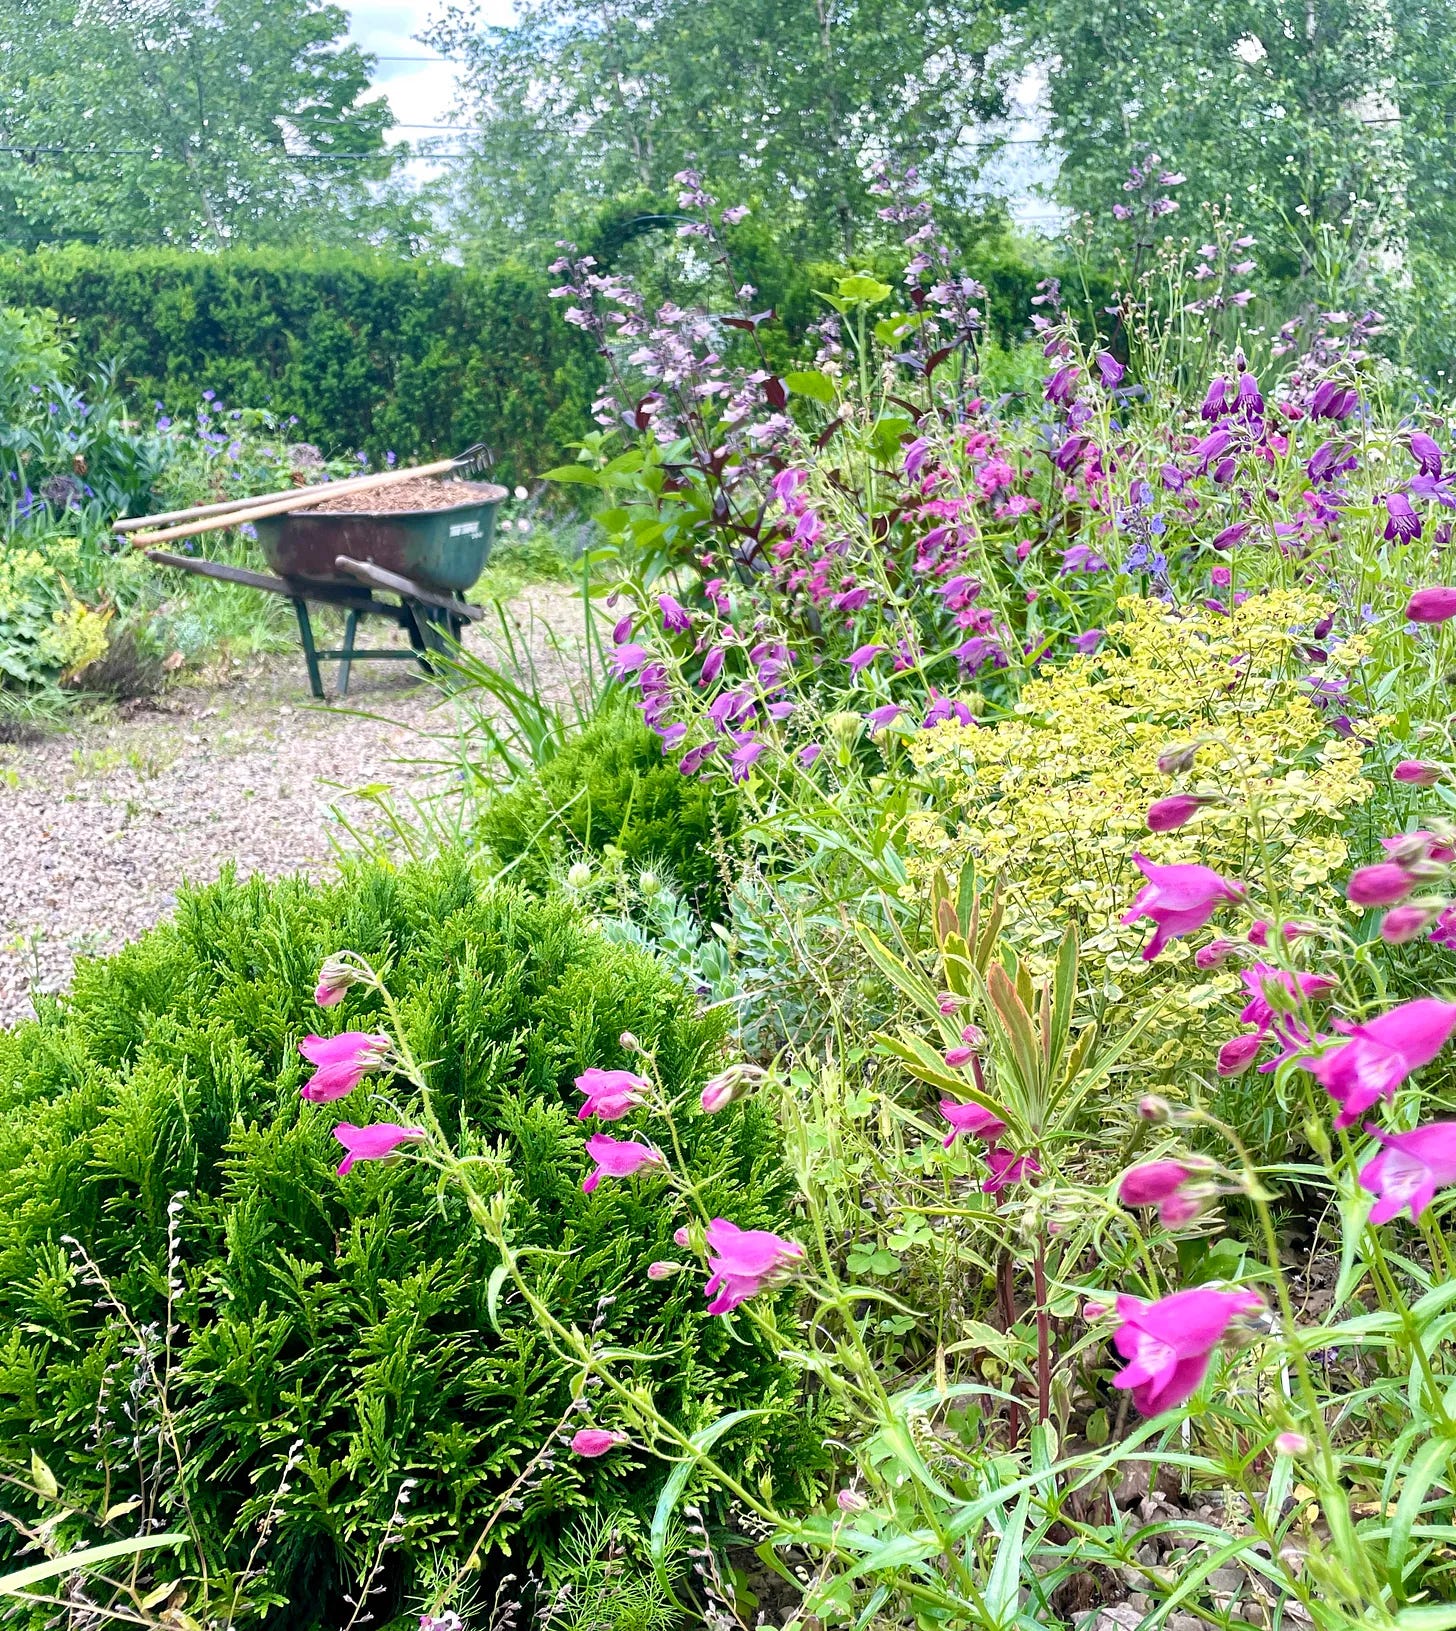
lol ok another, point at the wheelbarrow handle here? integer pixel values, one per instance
(473, 460)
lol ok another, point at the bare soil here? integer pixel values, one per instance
(100, 826)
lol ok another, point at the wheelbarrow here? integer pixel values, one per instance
(424, 559)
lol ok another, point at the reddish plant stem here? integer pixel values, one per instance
(1043, 1337)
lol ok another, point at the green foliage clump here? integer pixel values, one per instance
(612, 785)
(370, 352)
(352, 1315)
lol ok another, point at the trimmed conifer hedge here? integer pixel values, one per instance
(351, 1314)
(371, 352)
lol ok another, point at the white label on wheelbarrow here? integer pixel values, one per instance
(465, 529)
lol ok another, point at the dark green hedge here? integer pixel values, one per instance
(369, 351)
(352, 1313)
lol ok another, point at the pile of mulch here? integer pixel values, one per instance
(418, 493)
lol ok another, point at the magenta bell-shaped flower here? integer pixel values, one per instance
(1378, 1055)
(1409, 1169)
(1168, 1343)
(343, 1061)
(373, 1143)
(615, 1158)
(744, 1262)
(1179, 899)
(610, 1094)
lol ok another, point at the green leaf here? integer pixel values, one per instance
(677, 1481)
(1427, 1465)
(579, 473)
(811, 383)
(89, 1557)
(43, 1477)
(492, 1295)
(860, 287)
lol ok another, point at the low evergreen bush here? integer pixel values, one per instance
(612, 785)
(351, 1315)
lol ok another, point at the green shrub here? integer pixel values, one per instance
(370, 352)
(351, 1314)
(612, 785)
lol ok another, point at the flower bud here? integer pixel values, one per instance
(1094, 1311)
(578, 875)
(1238, 1053)
(949, 1002)
(1173, 761)
(850, 1500)
(1291, 1444)
(727, 1086)
(663, 1270)
(680, 1236)
(1404, 923)
(1167, 815)
(1383, 884)
(648, 884)
(1214, 955)
(629, 1043)
(335, 978)
(1154, 1109)
(1416, 773)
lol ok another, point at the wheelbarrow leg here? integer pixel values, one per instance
(351, 622)
(418, 629)
(310, 655)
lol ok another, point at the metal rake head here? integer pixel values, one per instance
(475, 460)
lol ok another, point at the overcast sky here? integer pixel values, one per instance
(420, 92)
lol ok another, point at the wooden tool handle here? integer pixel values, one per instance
(298, 499)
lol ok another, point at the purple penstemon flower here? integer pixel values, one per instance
(1109, 370)
(676, 619)
(747, 751)
(1088, 641)
(1081, 558)
(861, 658)
(885, 715)
(1402, 522)
(1426, 454)
(625, 660)
(1061, 387)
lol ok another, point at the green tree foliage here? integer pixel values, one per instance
(779, 101)
(612, 785)
(354, 1313)
(369, 351)
(186, 122)
(1321, 124)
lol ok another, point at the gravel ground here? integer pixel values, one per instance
(100, 826)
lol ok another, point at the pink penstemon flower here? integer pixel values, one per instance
(1168, 1344)
(610, 1094)
(743, 1262)
(1007, 1167)
(342, 1062)
(616, 1158)
(1179, 899)
(1409, 1168)
(591, 1442)
(972, 1120)
(374, 1143)
(1378, 1055)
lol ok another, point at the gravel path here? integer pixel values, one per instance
(99, 827)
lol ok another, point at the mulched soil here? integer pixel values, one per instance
(418, 493)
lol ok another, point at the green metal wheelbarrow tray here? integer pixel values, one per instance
(424, 558)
